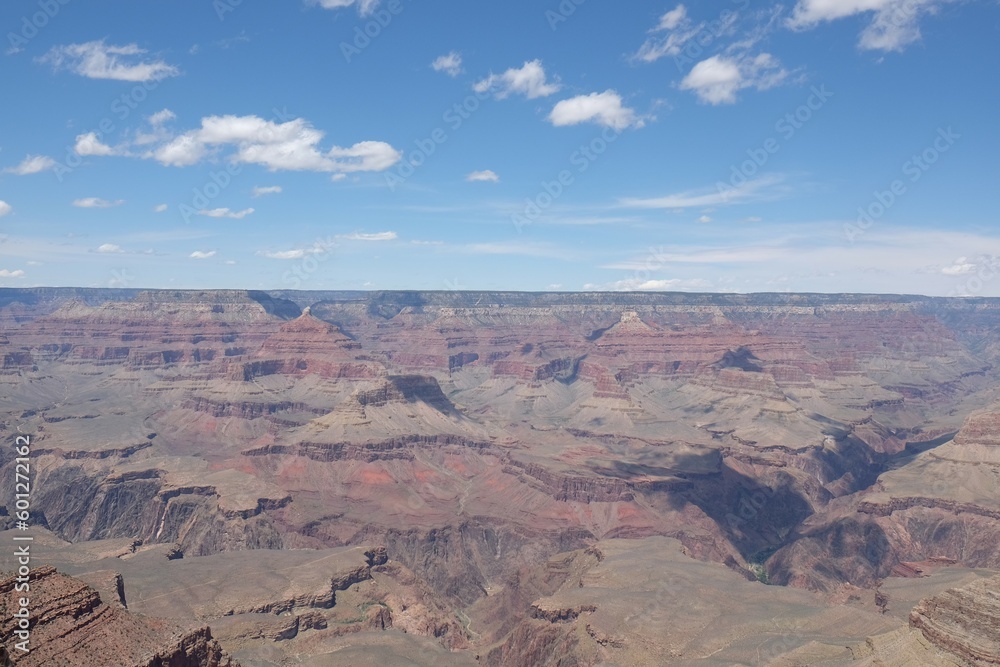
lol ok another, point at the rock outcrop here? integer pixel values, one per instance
(70, 625)
(963, 621)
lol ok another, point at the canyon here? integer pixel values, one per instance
(253, 478)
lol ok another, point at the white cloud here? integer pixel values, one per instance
(762, 188)
(427, 242)
(705, 218)
(379, 236)
(894, 24)
(297, 253)
(675, 31)
(364, 156)
(450, 64)
(160, 208)
(810, 12)
(817, 257)
(157, 132)
(96, 202)
(517, 248)
(673, 18)
(183, 151)
(32, 164)
(202, 254)
(486, 175)
(97, 60)
(650, 285)
(529, 80)
(226, 213)
(672, 45)
(602, 108)
(6, 273)
(716, 80)
(556, 217)
(753, 254)
(161, 117)
(109, 248)
(5, 208)
(291, 146)
(89, 144)
(718, 77)
(961, 267)
(266, 190)
(284, 254)
(365, 7)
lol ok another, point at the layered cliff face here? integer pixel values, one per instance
(152, 329)
(259, 604)
(963, 621)
(807, 440)
(307, 345)
(943, 503)
(71, 625)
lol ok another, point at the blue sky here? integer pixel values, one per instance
(814, 145)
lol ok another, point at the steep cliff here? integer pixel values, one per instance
(70, 625)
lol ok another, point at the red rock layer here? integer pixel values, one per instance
(963, 621)
(72, 626)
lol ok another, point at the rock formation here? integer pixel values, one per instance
(824, 442)
(963, 621)
(70, 625)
